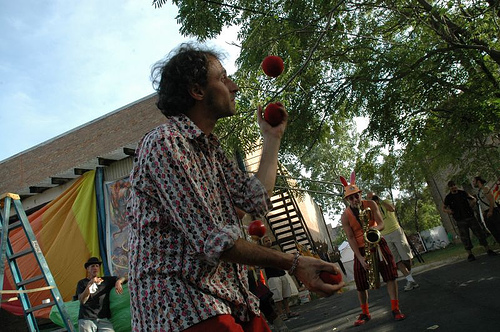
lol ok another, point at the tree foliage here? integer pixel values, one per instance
(419, 213)
(425, 73)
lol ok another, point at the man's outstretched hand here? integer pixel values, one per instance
(308, 270)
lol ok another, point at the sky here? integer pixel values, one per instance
(66, 63)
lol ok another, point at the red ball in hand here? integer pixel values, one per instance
(272, 65)
(257, 228)
(273, 114)
(330, 278)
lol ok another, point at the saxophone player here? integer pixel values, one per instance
(355, 227)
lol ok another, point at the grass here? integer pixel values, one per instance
(453, 251)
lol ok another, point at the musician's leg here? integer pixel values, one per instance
(392, 289)
(389, 273)
(365, 313)
(360, 276)
(363, 297)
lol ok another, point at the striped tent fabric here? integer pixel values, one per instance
(66, 230)
(496, 191)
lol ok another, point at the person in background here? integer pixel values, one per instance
(491, 212)
(267, 306)
(354, 229)
(458, 203)
(279, 285)
(93, 294)
(396, 240)
(188, 255)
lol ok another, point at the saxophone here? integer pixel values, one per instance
(372, 238)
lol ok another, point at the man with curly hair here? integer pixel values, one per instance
(188, 254)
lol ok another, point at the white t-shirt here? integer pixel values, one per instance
(483, 200)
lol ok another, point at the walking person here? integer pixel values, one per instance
(458, 203)
(396, 240)
(489, 208)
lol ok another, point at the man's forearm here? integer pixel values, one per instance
(244, 252)
(306, 269)
(269, 163)
(84, 296)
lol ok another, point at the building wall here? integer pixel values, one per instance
(118, 170)
(72, 149)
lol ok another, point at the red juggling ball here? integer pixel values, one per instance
(273, 114)
(257, 228)
(272, 65)
(330, 278)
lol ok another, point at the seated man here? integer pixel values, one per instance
(93, 294)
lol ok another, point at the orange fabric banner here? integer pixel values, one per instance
(66, 231)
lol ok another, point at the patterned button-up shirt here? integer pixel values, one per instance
(182, 217)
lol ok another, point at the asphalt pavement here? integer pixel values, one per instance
(455, 295)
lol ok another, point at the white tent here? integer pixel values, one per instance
(347, 258)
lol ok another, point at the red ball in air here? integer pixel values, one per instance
(273, 114)
(257, 228)
(330, 278)
(272, 65)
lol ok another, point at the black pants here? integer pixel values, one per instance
(463, 229)
(493, 223)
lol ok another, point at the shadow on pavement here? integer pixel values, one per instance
(453, 296)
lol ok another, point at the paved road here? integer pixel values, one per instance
(456, 296)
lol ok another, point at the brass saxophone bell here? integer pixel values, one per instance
(372, 236)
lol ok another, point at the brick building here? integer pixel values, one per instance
(99, 143)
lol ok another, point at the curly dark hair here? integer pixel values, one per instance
(480, 179)
(173, 76)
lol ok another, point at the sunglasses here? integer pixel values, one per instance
(353, 196)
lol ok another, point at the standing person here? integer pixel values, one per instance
(458, 203)
(354, 229)
(267, 306)
(396, 240)
(93, 294)
(188, 254)
(279, 285)
(491, 213)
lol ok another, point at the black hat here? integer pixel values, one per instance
(92, 260)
